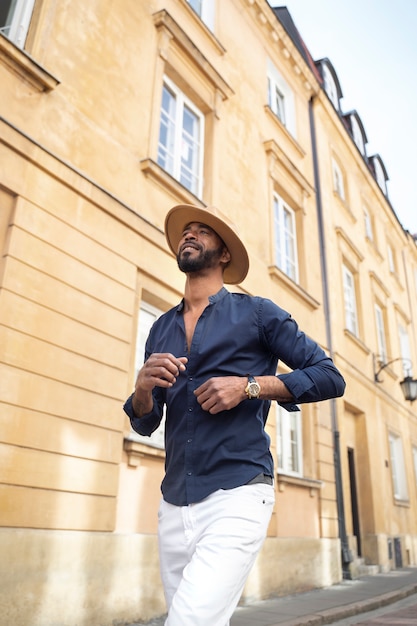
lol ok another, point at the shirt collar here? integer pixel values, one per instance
(212, 299)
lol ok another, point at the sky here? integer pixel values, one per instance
(372, 45)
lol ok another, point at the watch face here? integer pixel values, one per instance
(254, 389)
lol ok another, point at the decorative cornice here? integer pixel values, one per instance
(267, 20)
(170, 30)
(341, 233)
(277, 154)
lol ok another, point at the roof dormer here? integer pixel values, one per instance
(330, 82)
(356, 130)
(377, 167)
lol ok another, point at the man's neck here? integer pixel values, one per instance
(198, 289)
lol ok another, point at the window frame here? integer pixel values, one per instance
(380, 175)
(398, 473)
(330, 86)
(339, 186)
(182, 102)
(206, 12)
(19, 21)
(289, 447)
(405, 350)
(380, 333)
(357, 135)
(285, 240)
(350, 300)
(414, 454)
(392, 266)
(285, 111)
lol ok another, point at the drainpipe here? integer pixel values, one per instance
(346, 554)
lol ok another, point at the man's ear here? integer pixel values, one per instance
(226, 257)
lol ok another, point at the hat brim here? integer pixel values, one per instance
(181, 215)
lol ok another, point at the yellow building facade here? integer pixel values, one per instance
(109, 117)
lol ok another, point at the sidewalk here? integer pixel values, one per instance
(325, 606)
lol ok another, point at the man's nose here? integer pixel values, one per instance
(190, 235)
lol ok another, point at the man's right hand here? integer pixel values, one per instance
(160, 370)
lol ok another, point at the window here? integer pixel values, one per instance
(15, 16)
(289, 442)
(205, 10)
(415, 462)
(380, 176)
(147, 316)
(405, 350)
(338, 182)
(285, 239)
(391, 259)
(181, 131)
(357, 135)
(351, 316)
(397, 467)
(369, 231)
(281, 98)
(380, 334)
(276, 100)
(330, 87)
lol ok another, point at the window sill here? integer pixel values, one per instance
(20, 63)
(299, 481)
(278, 274)
(284, 129)
(401, 502)
(136, 451)
(167, 182)
(355, 339)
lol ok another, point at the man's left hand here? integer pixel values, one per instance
(221, 393)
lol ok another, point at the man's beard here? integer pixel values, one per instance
(203, 261)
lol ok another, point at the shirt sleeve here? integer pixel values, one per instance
(146, 424)
(314, 376)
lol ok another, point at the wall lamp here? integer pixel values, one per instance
(408, 385)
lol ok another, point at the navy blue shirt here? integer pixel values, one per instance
(236, 334)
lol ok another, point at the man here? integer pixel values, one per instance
(212, 361)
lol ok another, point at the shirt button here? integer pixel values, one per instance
(189, 440)
(190, 408)
(189, 473)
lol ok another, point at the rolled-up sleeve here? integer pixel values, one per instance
(314, 376)
(146, 424)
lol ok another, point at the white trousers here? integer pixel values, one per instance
(207, 550)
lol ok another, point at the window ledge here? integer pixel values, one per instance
(155, 171)
(299, 481)
(20, 63)
(355, 339)
(401, 502)
(278, 274)
(169, 27)
(136, 451)
(284, 129)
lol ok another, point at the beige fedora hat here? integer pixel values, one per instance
(182, 214)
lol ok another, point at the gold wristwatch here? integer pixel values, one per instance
(252, 389)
